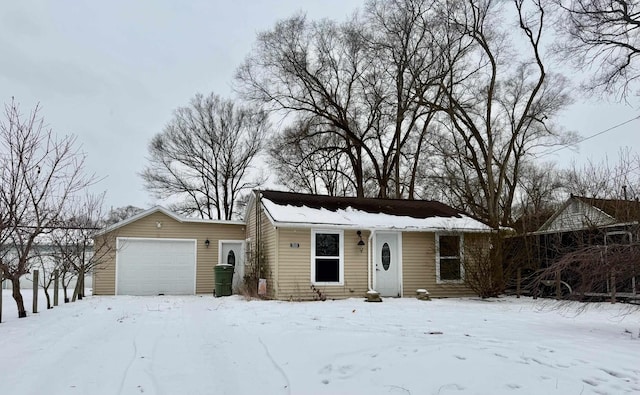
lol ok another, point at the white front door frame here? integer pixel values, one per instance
(376, 266)
(238, 274)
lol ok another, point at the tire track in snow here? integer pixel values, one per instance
(277, 366)
(126, 371)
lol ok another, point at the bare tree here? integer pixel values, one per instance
(603, 36)
(407, 52)
(597, 264)
(204, 156)
(541, 190)
(617, 180)
(358, 81)
(118, 214)
(310, 162)
(39, 175)
(75, 247)
(316, 69)
(47, 267)
(498, 108)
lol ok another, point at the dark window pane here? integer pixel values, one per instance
(327, 244)
(327, 270)
(231, 258)
(450, 269)
(449, 245)
(618, 238)
(386, 256)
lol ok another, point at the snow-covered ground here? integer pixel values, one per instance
(202, 345)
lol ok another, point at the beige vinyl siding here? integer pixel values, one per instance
(294, 267)
(147, 227)
(355, 267)
(251, 222)
(419, 266)
(268, 240)
(259, 220)
(104, 273)
(294, 264)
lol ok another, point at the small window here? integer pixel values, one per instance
(620, 237)
(386, 256)
(449, 258)
(231, 258)
(326, 264)
(618, 245)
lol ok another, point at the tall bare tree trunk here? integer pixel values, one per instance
(17, 296)
(81, 284)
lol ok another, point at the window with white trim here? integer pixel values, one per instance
(449, 267)
(327, 260)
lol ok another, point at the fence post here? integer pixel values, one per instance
(613, 287)
(55, 287)
(1, 290)
(35, 291)
(558, 286)
(518, 282)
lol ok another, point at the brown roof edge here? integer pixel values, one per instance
(397, 207)
(620, 209)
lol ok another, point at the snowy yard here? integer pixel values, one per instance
(202, 345)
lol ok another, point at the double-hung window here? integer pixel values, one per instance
(449, 268)
(327, 257)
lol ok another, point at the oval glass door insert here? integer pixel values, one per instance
(231, 258)
(386, 256)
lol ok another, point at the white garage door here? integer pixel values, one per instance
(156, 266)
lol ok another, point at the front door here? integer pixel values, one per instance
(231, 252)
(387, 267)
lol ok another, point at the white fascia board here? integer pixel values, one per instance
(269, 215)
(169, 214)
(548, 232)
(138, 216)
(300, 225)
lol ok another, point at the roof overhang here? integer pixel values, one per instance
(287, 216)
(168, 213)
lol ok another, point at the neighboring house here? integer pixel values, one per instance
(309, 244)
(582, 213)
(42, 259)
(580, 222)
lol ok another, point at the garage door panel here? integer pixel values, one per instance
(156, 266)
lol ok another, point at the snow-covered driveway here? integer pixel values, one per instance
(202, 345)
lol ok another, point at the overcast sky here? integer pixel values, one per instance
(111, 72)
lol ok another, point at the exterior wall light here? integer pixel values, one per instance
(360, 242)
(206, 243)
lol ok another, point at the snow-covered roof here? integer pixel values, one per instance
(168, 213)
(580, 212)
(299, 210)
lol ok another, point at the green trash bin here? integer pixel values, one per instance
(224, 277)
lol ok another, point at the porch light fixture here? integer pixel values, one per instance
(360, 242)
(206, 243)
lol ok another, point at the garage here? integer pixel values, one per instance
(155, 266)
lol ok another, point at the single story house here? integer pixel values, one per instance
(303, 245)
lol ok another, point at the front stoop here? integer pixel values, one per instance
(373, 296)
(422, 294)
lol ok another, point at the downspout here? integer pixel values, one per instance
(258, 234)
(370, 261)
